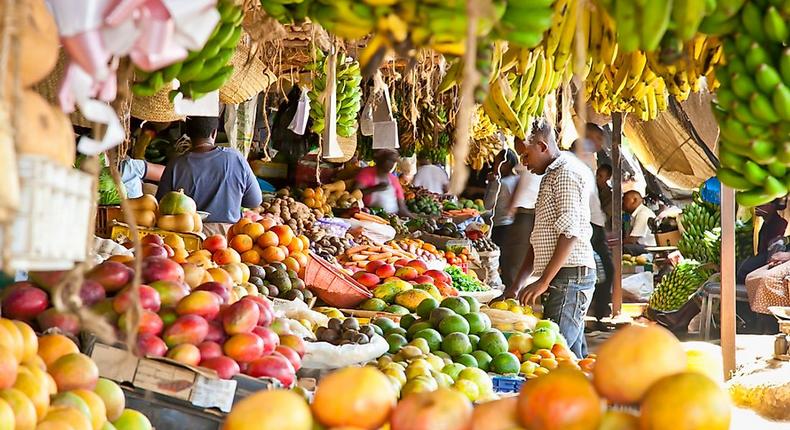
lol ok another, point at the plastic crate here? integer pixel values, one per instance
(120, 231)
(507, 384)
(50, 231)
(332, 286)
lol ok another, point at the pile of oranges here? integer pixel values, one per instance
(457, 259)
(266, 241)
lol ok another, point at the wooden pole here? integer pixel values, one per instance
(728, 280)
(617, 213)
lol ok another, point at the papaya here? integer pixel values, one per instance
(410, 299)
(430, 289)
(389, 290)
(182, 223)
(177, 203)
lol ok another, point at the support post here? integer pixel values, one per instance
(728, 280)
(617, 213)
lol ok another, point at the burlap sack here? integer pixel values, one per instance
(766, 287)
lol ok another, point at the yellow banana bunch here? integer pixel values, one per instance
(482, 151)
(482, 127)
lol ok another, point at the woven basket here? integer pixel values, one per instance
(48, 88)
(249, 77)
(156, 108)
(348, 145)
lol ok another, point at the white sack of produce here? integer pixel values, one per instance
(298, 310)
(378, 233)
(501, 318)
(324, 355)
(638, 287)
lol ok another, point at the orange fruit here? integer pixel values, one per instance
(301, 258)
(241, 243)
(227, 256)
(53, 346)
(285, 234)
(285, 250)
(291, 263)
(667, 404)
(267, 223)
(221, 276)
(278, 409)
(272, 254)
(251, 257)
(238, 228)
(367, 401)
(295, 246)
(305, 241)
(253, 230)
(35, 387)
(267, 239)
(563, 399)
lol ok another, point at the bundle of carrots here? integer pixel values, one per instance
(468, 212)
(362, 216)
(361, 255)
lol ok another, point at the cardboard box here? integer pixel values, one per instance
(670, 238)
(200, 387)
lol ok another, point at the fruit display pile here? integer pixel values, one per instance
(697, 219)
(463, 281)
(425, 204)
(202, 71)
(329, 196)
(753, 104)
(176, 212)
(347, 331)
(348, 91)
(400, 288)
(462, 203)
(485, 244)
(562, 399)
(47, 383)
(677, 287)
(275, 280)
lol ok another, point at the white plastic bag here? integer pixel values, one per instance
(324, 355)
(299, 121)
(639, 286)
(378, 233)
(298, 310)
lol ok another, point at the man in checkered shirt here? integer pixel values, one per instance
(560, 252)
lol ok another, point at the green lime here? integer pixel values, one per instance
(456, 344)
(432, 336)
(483, 359)
(416, 327)
(478, 322)
(467, 360)
(396, 342)
(493, 342)
(474, 305)
(426, 306)
(456, 304)
(505, 364)
(453, 324)
(407, 320)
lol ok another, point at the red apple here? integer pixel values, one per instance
(266, 314)
(209, 349)
(291, 355)
(407, 273)
(373, 265)
(215, 243)
(152, 239)
(270, 339)
(241, 317)
(153, 251)
(65, 322)
(24, 302)
(162, 268)
(385, 271)
(149, 299)
(151, 345)
(273, 366)
(222, 290)
(111, 275)
(419, 265)
(367, 279)
(423, 279)
(225, 367)
(170, 292)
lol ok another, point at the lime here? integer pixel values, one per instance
(505, 364)
(478, 322)
(456, 344)
(493, 342)
(373, 304)
(426, 306)
(384, 323)
(431, 336)
(438, 314)
(456, 304)
(474, 340)
(407, 320)
(453, 370)
(416, 327)
(467, 360)
(395, 341)
(453, 324)
(474, 305)
(483, 359)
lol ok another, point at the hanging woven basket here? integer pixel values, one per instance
(249, 77)
(156, 108)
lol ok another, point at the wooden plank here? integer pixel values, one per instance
(617, 211)
(728, 280)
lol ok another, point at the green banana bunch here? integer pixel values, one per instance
(677, 287)
(348, 90)
(524, 23)
(752, 104)
(699, 219)
(202, 71)
(287, 11)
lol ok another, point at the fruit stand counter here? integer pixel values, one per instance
(760, 382)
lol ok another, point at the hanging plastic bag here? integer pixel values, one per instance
(324, 355)
(299, 122)
(366, 117)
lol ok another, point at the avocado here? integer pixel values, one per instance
(280, 280)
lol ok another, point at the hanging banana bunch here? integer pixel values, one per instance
(202, 71)
(483, 151)
(287, 11)
(482, 127)
(349, 94)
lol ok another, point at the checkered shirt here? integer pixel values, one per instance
(563, 207)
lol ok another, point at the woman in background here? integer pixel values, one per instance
(502, 183)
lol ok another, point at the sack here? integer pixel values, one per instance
(638, 287)
(766, 287)
(299, 121)
(378, 233)
(324, 355)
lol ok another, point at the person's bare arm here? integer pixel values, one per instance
(153, 172)
(523, 274)
(531, 294)
(511, 211)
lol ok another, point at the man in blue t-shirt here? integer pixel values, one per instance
(219, 179)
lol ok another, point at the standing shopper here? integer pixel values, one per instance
(380, 187)
(522, 210)
(561, 254)
(499, 193)
(219, 179)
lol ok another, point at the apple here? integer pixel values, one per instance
(367, 279)
(385, 271)
(373, 265)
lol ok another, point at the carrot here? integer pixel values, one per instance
(355, 249)
(359, 257)
(382, 256)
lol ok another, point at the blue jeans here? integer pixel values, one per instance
(566, 303)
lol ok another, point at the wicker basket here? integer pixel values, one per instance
(48, 88)
(157, 108)
(249, 77)
(348, 146)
